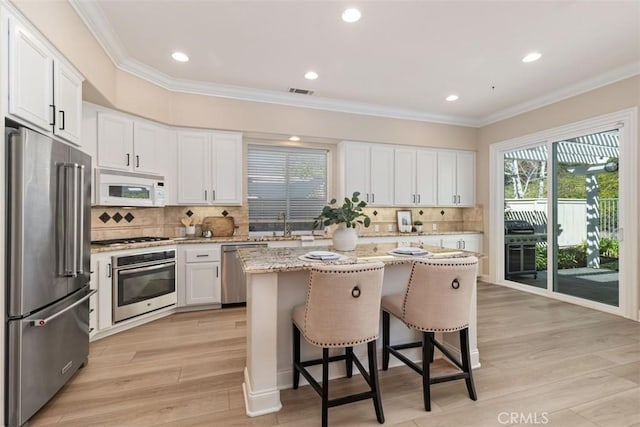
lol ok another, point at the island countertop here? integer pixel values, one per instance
(274, 260)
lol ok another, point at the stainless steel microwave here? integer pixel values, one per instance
(117, 188)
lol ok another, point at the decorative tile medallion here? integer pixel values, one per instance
(421, 212)
(117, 217)
(104, 217)
(189, 213)
(129, 217)
(225, 213)
(442, 213)
(375, 213)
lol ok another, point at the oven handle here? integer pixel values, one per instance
(43, 322)
(149, 268)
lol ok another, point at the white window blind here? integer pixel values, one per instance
(288, 180)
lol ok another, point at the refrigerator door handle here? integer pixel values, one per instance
(80, 218)
(43, 322)
(70, 220)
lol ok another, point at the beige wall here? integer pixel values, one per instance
(614, 97)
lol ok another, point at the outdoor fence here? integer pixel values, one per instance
(572, 217)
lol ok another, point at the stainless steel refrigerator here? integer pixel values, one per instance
(48, 262)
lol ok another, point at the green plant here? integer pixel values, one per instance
(418, 222)
(350, 213)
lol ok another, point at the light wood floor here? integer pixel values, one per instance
(544, 362)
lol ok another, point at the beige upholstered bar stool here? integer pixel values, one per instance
(342, 310)
(437, 299)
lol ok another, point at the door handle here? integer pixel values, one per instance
(80, 219)
(43, 322)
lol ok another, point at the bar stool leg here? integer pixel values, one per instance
(385, 340)
(375, 385)
(348, 352)
(466, 362)
(325, 387)
(427, 350)
(296, 356)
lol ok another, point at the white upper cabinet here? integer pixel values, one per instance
(456, 178)
(368, 169)
(115, 141)
(129, 144)
(35, 69)
(193, 167)
(415, 177)
(68, 101)
(209, 168)
(149, 141)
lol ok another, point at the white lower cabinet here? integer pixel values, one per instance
(100, 305)
(467, 242)
(199, 275)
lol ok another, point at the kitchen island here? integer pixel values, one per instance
(277, 281)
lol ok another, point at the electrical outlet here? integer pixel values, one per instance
(376, 228)
(434, 227)
(389, 227)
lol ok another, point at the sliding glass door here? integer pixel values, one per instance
(574, 184)
(585, 200)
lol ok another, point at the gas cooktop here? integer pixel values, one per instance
(128, 240)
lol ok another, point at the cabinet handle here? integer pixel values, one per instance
(216, 271)
(109, 270)
(205, 194)
(202, 256)
(414, 198)
(418, 198)
(454, 199)
(373, 197)
(367, 197)
(214, 194)
(464, 245)
(91, 330)
(53, 115)
(137, 161)
(62, 119)
(128, 159)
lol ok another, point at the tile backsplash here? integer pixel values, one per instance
(114, 222)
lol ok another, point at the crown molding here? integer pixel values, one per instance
(94, 19)
(627, 71)
(100, 27)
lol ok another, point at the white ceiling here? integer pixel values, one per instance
(400, 60)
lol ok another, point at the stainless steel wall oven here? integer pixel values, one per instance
(143, 282)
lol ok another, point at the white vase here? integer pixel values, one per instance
(345, 239)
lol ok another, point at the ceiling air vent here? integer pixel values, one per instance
(300, 91)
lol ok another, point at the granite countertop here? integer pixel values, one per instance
(245, 238)
(273, 260)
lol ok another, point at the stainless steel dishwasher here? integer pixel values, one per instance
(234, 284)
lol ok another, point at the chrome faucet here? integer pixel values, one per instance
(286, 230)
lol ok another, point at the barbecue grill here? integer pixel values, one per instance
(520, 243)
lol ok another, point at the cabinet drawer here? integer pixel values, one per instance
(202, 255)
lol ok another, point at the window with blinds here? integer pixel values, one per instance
(289, 180)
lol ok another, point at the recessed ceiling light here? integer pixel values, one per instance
(180, 57)
(311, 75)
(294, 138)
(351, 15)
(452, 98)
(533, 56)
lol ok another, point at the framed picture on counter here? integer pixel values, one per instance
(404, 221)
